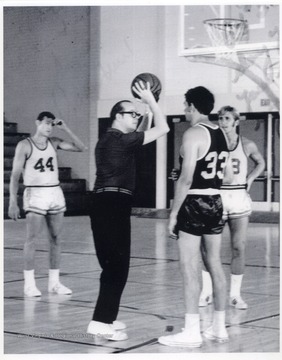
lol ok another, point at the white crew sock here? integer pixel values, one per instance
(218, 323)
(235, 286)
(29, 279)
(54, 276)
(207, 283)
(192, 323)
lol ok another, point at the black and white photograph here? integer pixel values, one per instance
(141, 179)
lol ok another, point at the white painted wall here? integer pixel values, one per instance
(79, 61)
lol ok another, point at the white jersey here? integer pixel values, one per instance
(235, 198)
(41, 167)
(240, 167)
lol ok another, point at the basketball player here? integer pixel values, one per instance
(111, 205)
(197, 213)
(236, 203)
(43, 202)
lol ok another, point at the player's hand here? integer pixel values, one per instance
(143, 90)
(59, 123)
(14, 212)
(171, 227)
(174, 175)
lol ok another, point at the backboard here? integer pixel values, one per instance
(262, 29)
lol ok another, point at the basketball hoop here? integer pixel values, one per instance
(224, 34)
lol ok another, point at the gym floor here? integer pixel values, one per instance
(152, 304)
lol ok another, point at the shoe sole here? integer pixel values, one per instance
(177, 344)
(205, 305)
(101, 337)
(239, 307)
(54, 292)
(216, 338)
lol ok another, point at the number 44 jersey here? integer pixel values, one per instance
(41, 167)
(210, 167)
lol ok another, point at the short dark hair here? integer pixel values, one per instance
(118, 107)
(201, 98)
(44, 114)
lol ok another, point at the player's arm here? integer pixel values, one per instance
(21, 153)
(254, 154)
(160, 125)
(75, 145)
(184, 182)
(146, 122)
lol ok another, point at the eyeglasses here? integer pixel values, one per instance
(134, 114)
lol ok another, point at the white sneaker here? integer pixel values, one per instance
(59, 289)
(183, 339)
(205, 300)
(238, 303)
(105, 331)
(118, 325)
(220, 337)
(31, 291)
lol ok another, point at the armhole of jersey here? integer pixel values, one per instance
(51, 142)
(208, 142)
(31, 148)
(242, 145)
(227, 142)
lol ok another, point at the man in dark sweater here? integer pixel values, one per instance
(111, 205)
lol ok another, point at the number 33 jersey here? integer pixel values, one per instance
(210, 167)
(41, 167)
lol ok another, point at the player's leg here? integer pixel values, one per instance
(54, 223)
(34, 225)
(238, 230)
(213, 246)
(189, 256)
(206, 296)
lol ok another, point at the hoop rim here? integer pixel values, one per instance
(228, 21)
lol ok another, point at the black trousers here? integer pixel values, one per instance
(110, 222)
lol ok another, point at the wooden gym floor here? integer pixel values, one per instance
(152, 303)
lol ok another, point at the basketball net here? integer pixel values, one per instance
(224, 34)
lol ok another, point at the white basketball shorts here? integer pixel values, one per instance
(236, 203)
(44, 200)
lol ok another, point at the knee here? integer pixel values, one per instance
(238, 249)
(114, 274)
(55, 239)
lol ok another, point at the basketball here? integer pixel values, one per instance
(155, 84)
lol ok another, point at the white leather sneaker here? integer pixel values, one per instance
(32, 291)
(205, 300)
(118, 325)
(105, 331)
(59, 289)
(183, 339)
(220, 336)
(238, 303)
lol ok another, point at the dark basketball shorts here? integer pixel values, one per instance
(200, 214)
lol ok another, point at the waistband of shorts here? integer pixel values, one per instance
(112, 189)
(233, 187)
(41, 186)
(209, 191)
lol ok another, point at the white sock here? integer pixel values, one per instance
(54, 276)
(218, 323)
(192, 322)
(29, 279)
(235, 286)
(207, 283)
